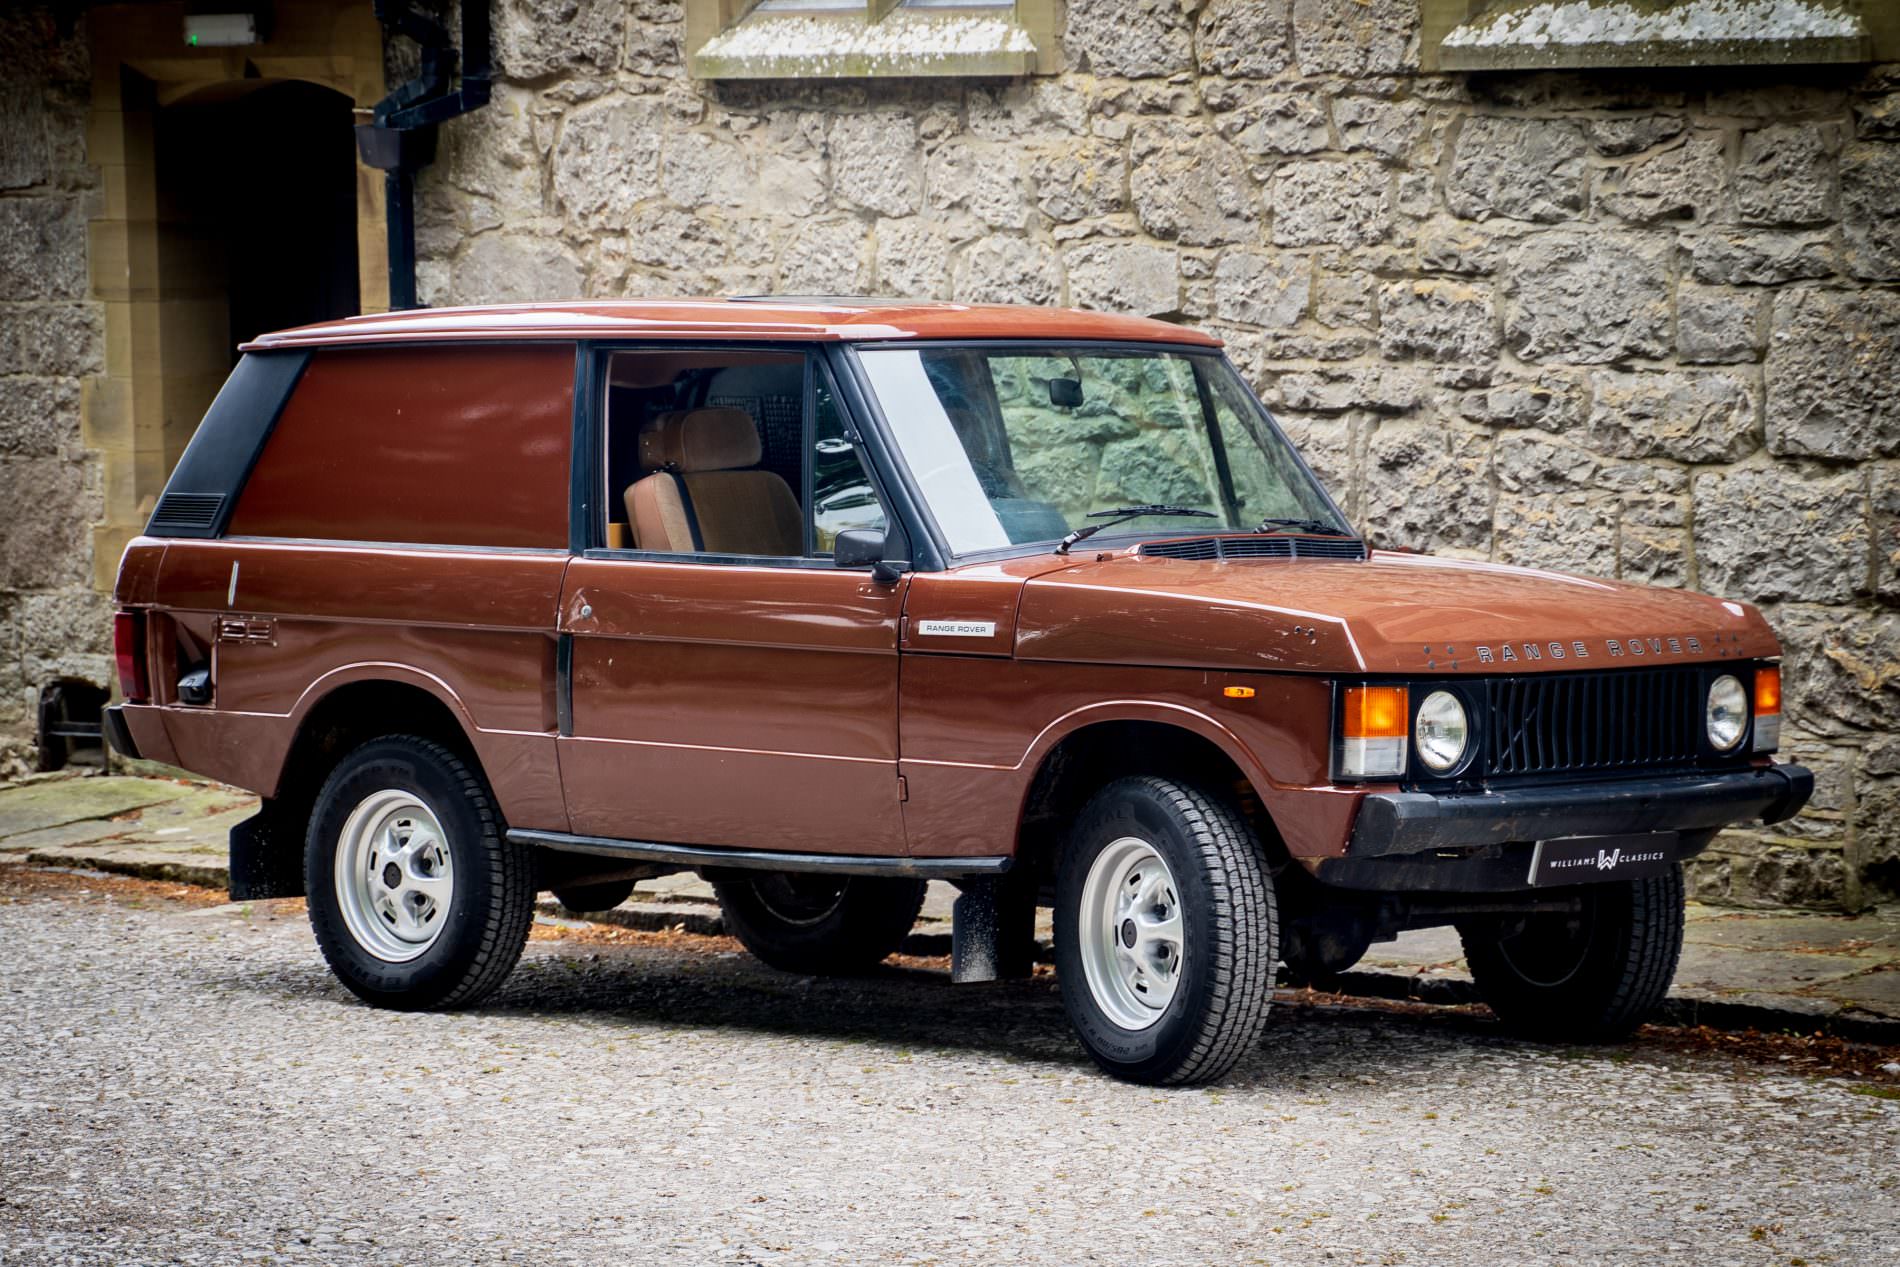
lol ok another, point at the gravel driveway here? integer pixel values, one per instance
(186, 1084)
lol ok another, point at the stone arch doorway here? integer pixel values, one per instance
(256, 208)
(231, 202)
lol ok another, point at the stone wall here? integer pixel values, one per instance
(1636, 326)
(52, 623)
(1642, 326)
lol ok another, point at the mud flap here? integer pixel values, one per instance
(992, 931)
(267, 855)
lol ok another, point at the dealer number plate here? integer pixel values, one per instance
(1589, 859)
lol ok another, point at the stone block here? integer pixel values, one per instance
(1649, 554)
(1684, 182)
(913, 260)
(51, 506)
(1245, 39)
(1885, 499)
(1190, 187)
(1870, 209)
(706, 169)
(1278, 124)
(1356, 37)
(1587, 298)
(25, 159)
(1325, 202)
(1682, 415)
(1560, 532)
(1345, 300)
(607, 158)
(498, 267)
(1380, 389)
(1261, 289)
(1079, 180)
(42, 248)
(1007, 270)
(1840, 669)
(1719, 326)
(1833, 360)
(1758, 259)
(1623, 135)
(874, 163)
(1131, 277)
(1765, 534)
(62, 339)
(1135, 38)
(1390, 129)
(1554, 403)
(1457, 246)
(825, 257)
(1438, 321)
(1518, 169)
(981, 178)
(39, 417)
(533, 38)
(1428, 486)
(1786, 174)
(1017, 110)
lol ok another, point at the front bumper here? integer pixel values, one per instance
(1481, 841)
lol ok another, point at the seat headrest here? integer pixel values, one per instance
(713, 439)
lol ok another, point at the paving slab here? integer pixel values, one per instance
(34, 806)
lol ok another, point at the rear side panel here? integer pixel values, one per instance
(401, 518)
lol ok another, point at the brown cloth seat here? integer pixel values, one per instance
(699, 496)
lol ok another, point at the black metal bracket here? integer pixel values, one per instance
(400, 139)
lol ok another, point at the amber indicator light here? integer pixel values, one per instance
(1767, 690)
(1376, 712)
(1237, 692)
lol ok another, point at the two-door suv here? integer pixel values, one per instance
(826, 598)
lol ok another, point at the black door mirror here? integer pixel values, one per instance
(859, 547)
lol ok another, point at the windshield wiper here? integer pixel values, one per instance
(1318, 527)
(1122, 514)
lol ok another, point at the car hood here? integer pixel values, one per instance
(1390, 613)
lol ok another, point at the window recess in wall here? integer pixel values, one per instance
(1582, 34)
(870, 39)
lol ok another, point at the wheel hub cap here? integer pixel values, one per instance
(395, 877)
(1131, 933)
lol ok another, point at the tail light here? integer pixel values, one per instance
(1373, 727)
(1767, 708)
(128, 650)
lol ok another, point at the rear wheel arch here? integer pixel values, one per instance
(267, 851)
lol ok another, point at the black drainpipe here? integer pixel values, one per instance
(401, 139)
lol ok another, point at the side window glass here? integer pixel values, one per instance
(842, 496)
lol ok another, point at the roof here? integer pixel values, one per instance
(765, 317)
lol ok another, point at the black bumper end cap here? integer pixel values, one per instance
(118, 734)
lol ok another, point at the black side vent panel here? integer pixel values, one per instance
(179, 512)
(1206, 549)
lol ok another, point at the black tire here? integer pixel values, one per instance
(584, 899)
(821, 925)
(1589, 977)
(492, 901)
(1230, 932)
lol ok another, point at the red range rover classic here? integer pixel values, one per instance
(826, 598)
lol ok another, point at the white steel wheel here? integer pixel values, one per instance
(1130, 932)
(395, 875)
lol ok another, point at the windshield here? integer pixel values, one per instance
(1016, 446)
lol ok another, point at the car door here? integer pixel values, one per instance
(736, 699)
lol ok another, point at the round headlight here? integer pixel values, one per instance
(1441, 731)
(1727, 712)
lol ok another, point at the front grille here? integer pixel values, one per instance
(1206, 549)
(1573, 722)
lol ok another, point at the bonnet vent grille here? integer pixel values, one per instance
(1258, 547)
(186, 511)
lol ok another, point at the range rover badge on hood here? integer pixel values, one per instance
(1579, 649)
